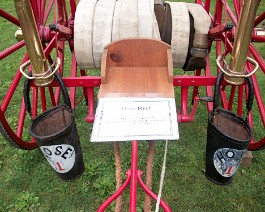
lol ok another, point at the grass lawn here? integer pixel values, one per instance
(29, 184)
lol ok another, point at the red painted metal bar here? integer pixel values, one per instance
(21, 118)
(52, 96)
(12, 88)
(194, 108)
(250, 122)
(259, 19)
(237, 7)
(73, 74)
(258, 38)
(257, 145)
(73, 8)
(11, 49)
(51, 45)
(259, 99)
(194, 80)
(195, 91)
(42, 5)
(34, 101)
(230, 12)
(9, 17)
(95, 81)
(209, 91)
(65, 10)
(150, 193)
(232, 97)
(207, 5)
(43, 99)
(15, 138)
(83, 73)
(133, 177)
(133, 184)
(35, 10)
(257, 57)
(60, 12)
(47, 11)
(183, 116)
(114, 196)
(240, 99)
(217, 19)
(39, 2)
(91, 104)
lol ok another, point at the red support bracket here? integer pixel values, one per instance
(134, 176)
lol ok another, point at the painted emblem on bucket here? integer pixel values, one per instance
(226, 160)
(60, 157)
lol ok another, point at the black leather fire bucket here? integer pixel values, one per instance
(55, 132)
(228, 136)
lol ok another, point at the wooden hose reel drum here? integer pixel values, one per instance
(182, 25)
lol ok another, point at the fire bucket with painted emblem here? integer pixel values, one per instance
(56, 133)
(228, 136)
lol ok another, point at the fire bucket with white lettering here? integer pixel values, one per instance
(228, 136)
(56, 134)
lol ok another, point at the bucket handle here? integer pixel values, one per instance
(217, 93)
(61, 84)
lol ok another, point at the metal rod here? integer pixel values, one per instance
(133, 185)
(242, 40)
(9, 17)
(11, 49)
(259, 19)
(32, 40)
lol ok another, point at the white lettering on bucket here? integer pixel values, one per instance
(60, 157)
(226, 161)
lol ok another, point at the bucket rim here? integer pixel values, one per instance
(44, 115)
(230, 113)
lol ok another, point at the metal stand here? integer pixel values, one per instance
(134, 176)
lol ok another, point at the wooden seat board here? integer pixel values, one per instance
(137, 82)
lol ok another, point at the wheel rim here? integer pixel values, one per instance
(232, 98)
(14, 129)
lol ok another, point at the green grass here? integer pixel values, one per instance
(29, 184)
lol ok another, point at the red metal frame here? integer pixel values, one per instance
(134, 176)
(56, 40)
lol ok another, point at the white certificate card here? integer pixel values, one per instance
(123, 119)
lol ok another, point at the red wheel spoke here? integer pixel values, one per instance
(240, 100)
(231, 99)
(9, 17)
(43, 99)
(11, 49)
(237, 97)
(34, 102)
(12, 88)
(259, 19)
(47, 11)
(35, 10)
(21, 119)
(257, 57)
(52, 96)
